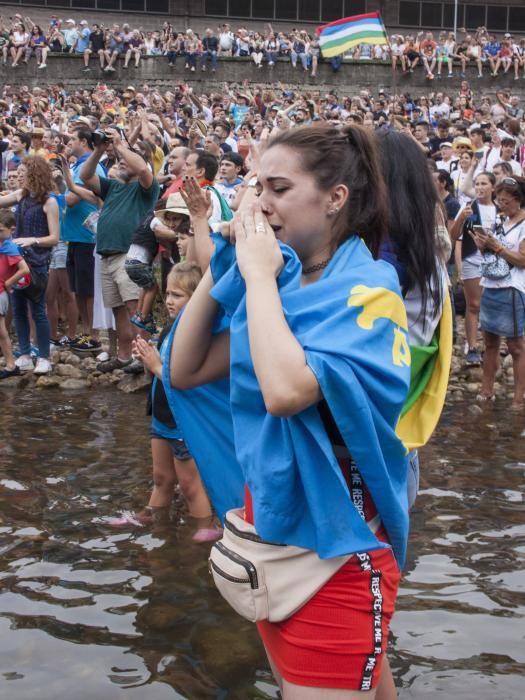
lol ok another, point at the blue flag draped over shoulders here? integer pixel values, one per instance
(353, 328)
(203, 414)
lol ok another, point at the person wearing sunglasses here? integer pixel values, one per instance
(502, 309)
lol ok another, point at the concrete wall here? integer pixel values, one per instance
(352, 77)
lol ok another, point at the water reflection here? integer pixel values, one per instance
(114, 614)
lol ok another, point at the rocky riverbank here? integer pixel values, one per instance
(72, 372)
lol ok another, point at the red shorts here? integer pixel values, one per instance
(338, 638)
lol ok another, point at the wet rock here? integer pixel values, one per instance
(73, 384)
(15, 382)
(68, 370)
(475, 409)
(72, 359)
(89, 364)
(131, 384)
(507, 361)
(101, 379)
(474, 374)
(47, 381)
(473, 387)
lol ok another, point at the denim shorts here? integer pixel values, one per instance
(4, 303)
(59, 256)
(502, 312)
(178, 447)
(140, 273)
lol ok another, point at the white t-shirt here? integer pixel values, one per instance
(516, 277)
(458, 177)
(226, 41)
(487, 214)
(443, 109)
(446, 164)
(421, 323)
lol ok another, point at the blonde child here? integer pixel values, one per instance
(172, 462)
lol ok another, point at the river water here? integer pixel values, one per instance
(90, 612)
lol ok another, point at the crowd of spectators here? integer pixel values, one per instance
(438, 56)
(145, 141)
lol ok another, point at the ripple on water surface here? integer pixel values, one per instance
(100, 613)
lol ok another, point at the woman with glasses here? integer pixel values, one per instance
(502, 312)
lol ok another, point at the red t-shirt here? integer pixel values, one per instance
(174, 187)
(8, 265)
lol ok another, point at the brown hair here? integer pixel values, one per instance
(38, 177)
(345, 156)
(187, 276)
(515, 186)
(7, 218)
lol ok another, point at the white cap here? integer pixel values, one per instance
(84, 21)
(70, 21)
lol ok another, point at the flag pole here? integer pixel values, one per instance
(394, 71)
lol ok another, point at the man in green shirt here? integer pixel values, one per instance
(128, 198)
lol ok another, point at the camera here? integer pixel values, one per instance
(99, 137)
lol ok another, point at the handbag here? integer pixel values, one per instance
(266, 581)
(493, 266)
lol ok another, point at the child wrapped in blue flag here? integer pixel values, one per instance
(318, 361)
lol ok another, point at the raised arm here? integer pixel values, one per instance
(136, 164)
(287, 383)
(198, 202)
(88, 171)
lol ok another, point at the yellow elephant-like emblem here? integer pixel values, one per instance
(379, 302)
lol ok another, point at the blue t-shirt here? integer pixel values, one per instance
(72, 228)
(492, 49)
(83, 40)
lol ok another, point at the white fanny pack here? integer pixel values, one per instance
(266, 581)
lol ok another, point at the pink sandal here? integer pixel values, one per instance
(208, 534)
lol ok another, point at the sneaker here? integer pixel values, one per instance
(43, 366)
(34, 352)
(113, 364)
(86, 69)
(135, 367)
(473, 358)
(85, 344)
(6, 373)
(24, 363)
(61, 343)
(43, 65)
(208, 534)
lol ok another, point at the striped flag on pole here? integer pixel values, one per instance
(340, 36)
